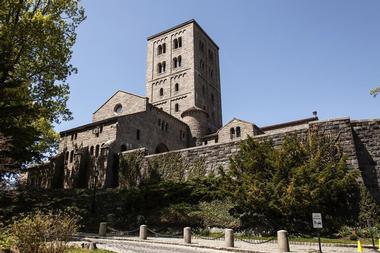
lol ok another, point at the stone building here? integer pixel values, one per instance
(182, 113)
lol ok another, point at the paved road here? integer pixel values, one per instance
(136, 247)
(166, 245)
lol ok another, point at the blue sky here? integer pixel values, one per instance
(280, 59)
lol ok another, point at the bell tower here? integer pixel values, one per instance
(182, 77)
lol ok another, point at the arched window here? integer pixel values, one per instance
(166, 126)
(175, 62)
(159, 50)
(71, 156)
(176, 87)
(97, 151)
(159, 68)
(175, 43)
(92, 150)
(179, 61)
(163, 66)
(161, 92)
(238, 133)
(176, 107)
(180, 42)
(123, 148)
(232, 133)
(163, 125)
(67, 156)
(164, 48)
(138, 134)
(159, 122)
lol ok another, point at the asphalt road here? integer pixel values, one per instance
(136, 247)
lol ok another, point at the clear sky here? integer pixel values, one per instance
(280, 59)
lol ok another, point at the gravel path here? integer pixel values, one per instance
(161, 245)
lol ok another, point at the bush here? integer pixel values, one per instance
(217, 214)
(43, 233)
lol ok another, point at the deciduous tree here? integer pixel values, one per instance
(36, 40)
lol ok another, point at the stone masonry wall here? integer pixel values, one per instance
(367, 142)
(216, 155)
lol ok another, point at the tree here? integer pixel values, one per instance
(279, 188)
(36, 38)
(375, 91)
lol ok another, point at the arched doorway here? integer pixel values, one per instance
(161, 148)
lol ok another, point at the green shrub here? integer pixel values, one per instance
(43, 233)
(217, 214)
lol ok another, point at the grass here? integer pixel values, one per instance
(88, 251)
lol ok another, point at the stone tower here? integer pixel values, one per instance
(182, 77)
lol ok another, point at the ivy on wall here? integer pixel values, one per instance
(134, 167)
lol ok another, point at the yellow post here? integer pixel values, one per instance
(379, 245)
(360, 249)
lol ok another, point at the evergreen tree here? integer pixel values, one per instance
(279, 188)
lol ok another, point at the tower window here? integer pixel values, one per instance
(92, 150)
(164, 48)
(159, 122)
(210, 55)
(176, 107)
(161, 92)
(67, 156)
(175, 62)
(159, 68)
(159, 49)
(232, 133)
(138, 134)
(175, 43)
(238, 133)
(176, 87)
(166, 127)
(201, 46)
(212, 99)
(179, 61)
(180, 42)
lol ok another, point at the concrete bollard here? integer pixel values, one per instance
(228, 238)
(143, 232)
(187, 234)
(283, 241)
(92, 246)
(103, 228)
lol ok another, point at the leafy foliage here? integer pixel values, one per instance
(375, 91)
(36, 37)
(277, 188)
(43, 233)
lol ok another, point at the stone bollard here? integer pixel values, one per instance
(92, 246)
(228, 238)
(103, 228)
(187, 234)
(283, 241)
(143, 232)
